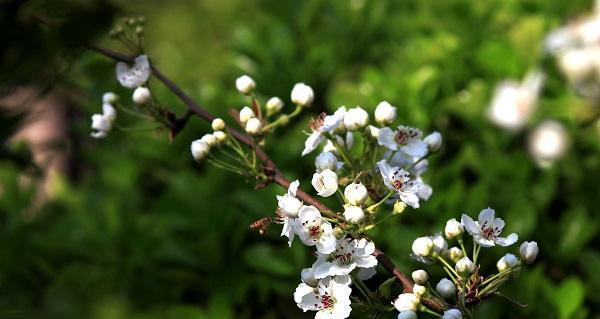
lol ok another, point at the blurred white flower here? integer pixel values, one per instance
(245, 84)
(110, 98)
(446, 288)
(385, 113)
(465, 267)
(348, 255)
(217, 124)
(135, 76)
(330, 299)
(327, 160)
(356, 118)
(507, 262)
(209, 139)
(452, 314)
(529, 251)
(325, 182)
(274, 105)
(548, 142)
(420, 276)
(419, 290)
(141, 95)
(103, 123)
(487, 230)
(434, 141)
(366, 273)
(422, 246)
(455, 254)
(246, 114)
(220, 135)
(302, 95)
(199, 149)
(253, 126)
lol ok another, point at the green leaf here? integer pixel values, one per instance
(568, 297)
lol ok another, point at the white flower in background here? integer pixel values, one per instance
(422, 246)
(455, 254)
(405, 138)
(348, 255)
(583, 32)
(314, 230)
(465, 267)
(356, 118)
(289, 207)
(452, 314)
(141, 96)
(419, 290)
(217, 124)
(330, 299)
(548, 142)
(514, 102)
(322, 124)
(366, 273)
(325, 182)
(487, 230)
(109, 112)
(135, 76)
(407, 315)
(220, 135)
(356, 193)
(385, 113)
(109, 98)
(373, 131)
(406, 302)
(327, 160)
(529, 251)
(446, 288)
(274, 105)
(253, 126)
(420, 277)
(507, 262)
(209, 139)
(245, 84)
(453, 229)
(302, 95)
(434, 141)
(308, 277)
(246, 114)
(440, 246)
(103, 123)
(579, 64)
(398, 179)
(354, 214)
(199, 149)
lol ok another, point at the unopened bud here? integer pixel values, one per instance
(218, 124)
(399, 207)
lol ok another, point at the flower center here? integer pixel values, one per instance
(314, 231)
(404, 135)
(317, 123)
(399, 178)
(489, 232)
(342, 258)
(327, 301)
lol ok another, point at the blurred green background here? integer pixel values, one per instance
(136, 229)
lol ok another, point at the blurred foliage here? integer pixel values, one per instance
(144, 232)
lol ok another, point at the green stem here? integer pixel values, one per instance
(446, 264)
(476, 249)
(374, 206)
(282, 120)
(462, 245)
(424, 309)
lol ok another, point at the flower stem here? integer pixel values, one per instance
(374, 206)
(447, 265)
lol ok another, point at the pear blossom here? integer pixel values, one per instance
(109, 112)
(356, 193)
(274, 105)
(452, 314)
(434, 141)
(135, 76)
(302, 95)
(217, 124)
(103, 123)
(529, 251)
(406, 302)
(245, 84)
(398, 179)
(354, 214)
(356, 118)
(548, 142)
(348, 255)
(440, 246)
(373, 131)
(314, 230)
(246, 114)
(453, 229)
(407, 315)
(405, 138)
(109, 98)
(385, 113)
(253, 126)
(465, 267)
(419, 290)
(209, 139)
(322, 124)
(220, 135)
(487, 230)
(325, 182)
(507, 262)
(199, 149)
(289, 207)
(422, 246)
(417, 166)
(327, 160)
(455, 254)
(446, 288)
(330, 299)
(141, 95)
(308, 277)
(420, 276)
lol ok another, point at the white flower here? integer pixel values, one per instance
(529, 251)
(246, 114)
(455, 254)
(253, 126)
(289, 207)
(302, 95)
(366, 273)
(446, 288)
(356, 193)
(325, 182)
(465, 267)
(217, 124)
(199, 149)
(220, 135)
(329, 147)
(330, 299)
(109, 112)
(141, 95)
(548, 142)
(487, 230)
(308, 277)
(103, 123)
(274, 105)
(354, 214)
(245, 84)
(385, 113)
(314, 230)
(136, 76)
(407, 315)
(348, 255)
(373, 131)
(322, 124)
(507, 262)
(405, 138)
(398, 179)
(419, 290)
(422, 246)
(434, 141)
(356, 118)
(452, 314)
(110, 98)
(453, 228)
(327, 160)
(420, 276)
(439, 244)
(406, 302)
(210, 140)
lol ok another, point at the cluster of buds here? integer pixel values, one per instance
(201, 148)
(129, 32)
(102, 123)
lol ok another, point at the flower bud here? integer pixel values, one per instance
(455, 254)
(422, 246)
(434, 141)
(274, 105)
(199, 149)
(507, 262)
(385, 113)
(528, 251)
(373, 131)
(326, 160)
(329, 147)
(465, 267)
(218, 124)
(210, 140)
(308, 277)
(325, 182)
(110, 98)
(452, 314)
(302, 95)
(284, 119)
(399, 207)
(356, 118)
(354, 214)
(446, 288)
(439, 244)
(356, 193)
(253, 126)
(407, 315)
(453, 228)
(406, 302)
(419, 290)
(420, 276)
(245, 84)
(220, 135)
(246, 114)
(141, 95)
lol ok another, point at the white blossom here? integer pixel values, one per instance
(422, 246)
(366, 273)
(406, 302)
(274, 105)
(327, 160)
(109, 112)
(217, 124)
(373, 131)
(199, 149)
(209, 139)
(548, 142)
(330, 299)
(455, 254)
(487, 230)
(354, 214)
(308, 277)
(356, 118)
(347, 255)
(356, 193)
(398, 179)
(440, 246)
(135, 76)
(434, 141)
(289, 207)
(245, 84)
(507, 262)
(420, 277)
(405, 138)
(453, 229)
(465, 267)
(529, 251)
(246, 114)
(141, 95)
(385, 113)
(407, 315)
(452, 314)
(253, 126)
(325, 182)
(302, 95)
(320, 125)
(315, 231)
(220, 135)
(110, 98)
(446, 288)
(419, 290)
(103, 123)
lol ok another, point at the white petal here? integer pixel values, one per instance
(293, 188)
(483, 242)
(309, 214)
(326, 243)
(312, 142)
(470, 225)
(386, 138)
(511, 239)
(135, 76)
(411, 199)
(306, 298)
(486, 216)
(416, 148)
